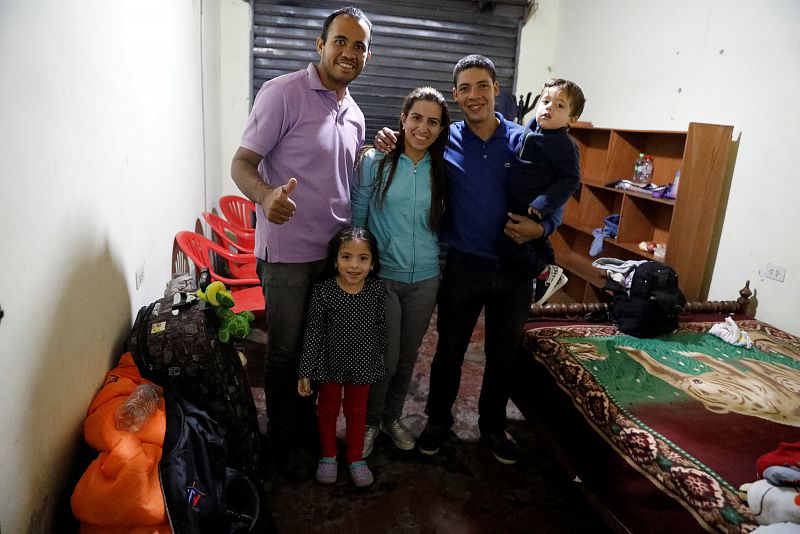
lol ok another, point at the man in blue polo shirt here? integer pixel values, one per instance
(478, 154)
(296, 162)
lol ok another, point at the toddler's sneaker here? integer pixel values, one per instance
(547, 283)
(361, 474)
(326, 470)
(401, 436)
(369, 440)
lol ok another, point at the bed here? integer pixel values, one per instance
(660, 433)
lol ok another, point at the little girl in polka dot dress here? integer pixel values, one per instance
(343, 347)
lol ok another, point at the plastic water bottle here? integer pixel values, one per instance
(643, 170)
(132, 414)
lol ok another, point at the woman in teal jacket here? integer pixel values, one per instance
(400, 198)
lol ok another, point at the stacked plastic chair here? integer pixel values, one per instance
(229, 235)
(243, 283)
(239, 211)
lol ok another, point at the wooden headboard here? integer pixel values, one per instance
(579, 309)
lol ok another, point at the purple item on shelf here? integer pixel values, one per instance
(665, 191)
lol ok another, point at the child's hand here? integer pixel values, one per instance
(304, 387)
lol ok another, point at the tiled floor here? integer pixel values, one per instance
(460, 490)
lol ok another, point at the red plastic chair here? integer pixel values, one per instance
(229, 235)
(239, 211)
(244, 285)
(202, 252)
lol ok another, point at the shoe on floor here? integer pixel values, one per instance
(369, 440)
(327, 470)
(556, 279)
(431, 439)
(361, 474)
(503, 447)
(401, 436)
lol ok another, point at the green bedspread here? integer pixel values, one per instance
(689, 411)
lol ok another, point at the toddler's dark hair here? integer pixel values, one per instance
(349, 233)
(573, 92)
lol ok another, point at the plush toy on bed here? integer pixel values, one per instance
(231, 324)
(774, 505)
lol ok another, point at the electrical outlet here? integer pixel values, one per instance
(139, 276)
(775, 272)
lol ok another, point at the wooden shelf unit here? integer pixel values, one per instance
(685, 224)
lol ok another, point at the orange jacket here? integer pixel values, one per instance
(120, 492)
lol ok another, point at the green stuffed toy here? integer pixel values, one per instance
(231, 324)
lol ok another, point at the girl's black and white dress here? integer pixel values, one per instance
(345, 334)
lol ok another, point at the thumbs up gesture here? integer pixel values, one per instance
(277, 204)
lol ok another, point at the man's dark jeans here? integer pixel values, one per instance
(470, 284)
(287, 286)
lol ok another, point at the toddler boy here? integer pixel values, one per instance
(544, 174)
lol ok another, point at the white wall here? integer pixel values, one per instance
(647, 64)
(211, 88)
(236, 40)
(101, 162)
(537, 46)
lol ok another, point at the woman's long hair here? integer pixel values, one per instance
(383, 179)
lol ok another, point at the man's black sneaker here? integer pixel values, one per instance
(556, 279)
(431, 439)
(503, 447)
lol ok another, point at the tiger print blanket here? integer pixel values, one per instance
(688, 410)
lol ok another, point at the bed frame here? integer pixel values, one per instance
(741, 306)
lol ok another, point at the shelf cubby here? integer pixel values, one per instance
(597, 203)
(644, 220)
(666, 148)
(593, 147)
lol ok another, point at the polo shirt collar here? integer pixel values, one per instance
(315, 83)
(500, 132)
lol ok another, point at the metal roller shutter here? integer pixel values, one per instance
(413, 44)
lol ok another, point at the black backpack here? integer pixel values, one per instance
(202, 492)
(652, 305)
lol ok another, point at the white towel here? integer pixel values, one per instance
(729, 331)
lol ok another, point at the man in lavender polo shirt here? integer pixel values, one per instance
(295, 162)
